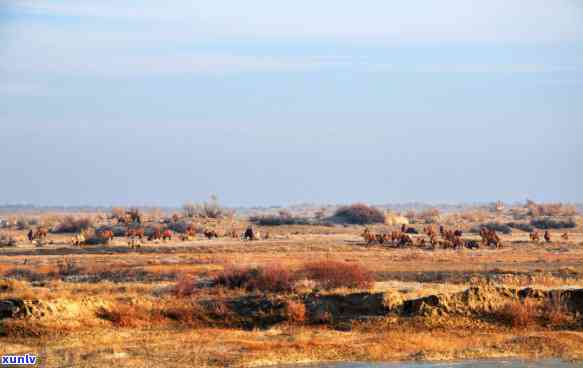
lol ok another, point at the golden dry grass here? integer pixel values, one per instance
(117, 305)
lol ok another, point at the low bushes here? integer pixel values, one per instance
(519, 313)
(499, 227)
(276, 220)
(521, 226)
(332, 274)
(271, 279)
(324, 275)
(553, 223)
(71, 224)
(358, 214)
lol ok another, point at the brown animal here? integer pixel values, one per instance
(368, 236)
(249, 233)
(534, 236)
(78, 239)
(489, 237)
(105, 234)
(167, 234)
(39, 234)
(210, 234)
(547, 236)
(155, 235)
(136, 232)
(472, 244)
(405, 240)
(565, 236)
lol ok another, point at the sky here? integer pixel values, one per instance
(123, 102)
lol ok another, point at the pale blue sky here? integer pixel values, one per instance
(149, 102)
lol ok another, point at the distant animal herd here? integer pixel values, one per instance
(406, 236)
(444, 238)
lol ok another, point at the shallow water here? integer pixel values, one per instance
(463, 364)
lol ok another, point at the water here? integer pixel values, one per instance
(464, 364)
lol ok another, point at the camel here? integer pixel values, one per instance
(565, 236)
(78, 239)
(136, 232)
(167, 234)
(39, 234)
(155, 235)
(210, 234)
(547, 236)
(105, 234)
(489, 237)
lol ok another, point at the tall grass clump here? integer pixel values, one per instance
(72, 224)
(333, 274)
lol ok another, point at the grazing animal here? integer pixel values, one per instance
(565, 236)
(429, 231)
(368, 236)
(78, 239)
(39, 234)
(167, 234)
(136, 232)
(249, 233)
(472, 244)
(105, 234)
(411, 230)
(547, 236)
(534, 236)
(489, 237)
(155, 235)
(210, 234)
(405, 240)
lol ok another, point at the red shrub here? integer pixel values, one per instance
(272, 278)
(332, 274)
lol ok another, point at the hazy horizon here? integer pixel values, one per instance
(144, 103)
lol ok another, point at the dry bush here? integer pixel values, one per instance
(429, 216)
(359, 214)
(553, 223)
(125, 315)
(72, 224)
(474, 216)
(7, 240)
(550, 209)
(521, 226)
(281, 219)
(333, 274)
(273, 278)
(295, 311)
(499, 227)
(24, 274)
(68, 267)
(519, 314)
(554, 312)
(185, 285)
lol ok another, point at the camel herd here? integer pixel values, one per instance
(445, 238)
(136, 234)
(535, 236)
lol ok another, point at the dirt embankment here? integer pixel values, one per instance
(263, 311)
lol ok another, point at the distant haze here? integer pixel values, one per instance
(152, 103)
